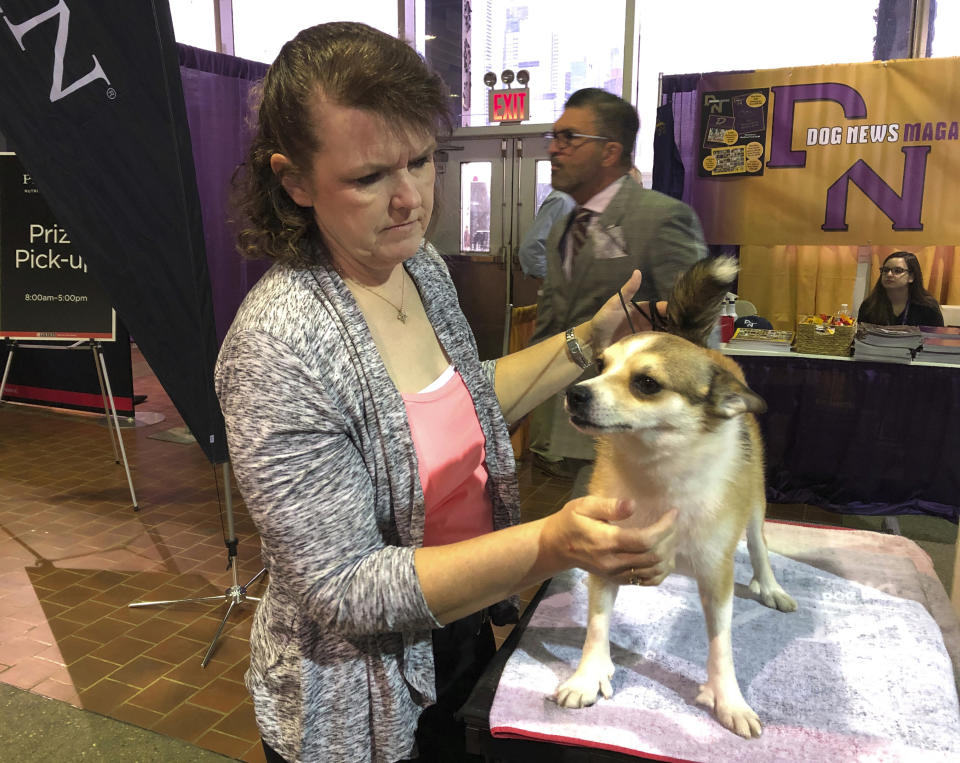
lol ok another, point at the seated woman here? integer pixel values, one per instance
(899, 295)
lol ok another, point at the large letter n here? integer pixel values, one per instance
(903, 210)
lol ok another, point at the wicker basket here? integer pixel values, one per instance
(813, 342)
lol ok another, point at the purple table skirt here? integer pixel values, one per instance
(859, 437)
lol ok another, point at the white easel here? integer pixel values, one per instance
(109, 408)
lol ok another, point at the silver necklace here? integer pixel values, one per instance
(401, 315)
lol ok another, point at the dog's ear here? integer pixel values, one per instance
(729, 397)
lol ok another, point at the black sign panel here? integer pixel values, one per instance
(91, 100)
(46, 289)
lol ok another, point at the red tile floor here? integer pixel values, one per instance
(74, 554)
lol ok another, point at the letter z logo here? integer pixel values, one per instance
(62, 13)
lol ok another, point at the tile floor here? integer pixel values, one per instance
(74, 554)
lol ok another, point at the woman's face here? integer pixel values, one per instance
(895, 274)
(371, 189)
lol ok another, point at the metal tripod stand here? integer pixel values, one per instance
(236, 594)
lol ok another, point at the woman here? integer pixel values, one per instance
(368, 441)
(899, 297)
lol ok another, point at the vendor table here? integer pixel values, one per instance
(859, 437)
(887, 565)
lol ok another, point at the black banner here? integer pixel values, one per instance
(91, 101)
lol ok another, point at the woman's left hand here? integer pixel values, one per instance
(610, 324)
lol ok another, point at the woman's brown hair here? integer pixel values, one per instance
(352, 65)
(877, 308)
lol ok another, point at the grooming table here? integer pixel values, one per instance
(865, 670)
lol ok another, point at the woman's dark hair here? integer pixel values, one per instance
(615, 118)
(876, 308)
(352, 65)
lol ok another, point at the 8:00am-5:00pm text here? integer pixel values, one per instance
(55, 298)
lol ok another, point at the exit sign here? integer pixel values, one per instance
(509, 105)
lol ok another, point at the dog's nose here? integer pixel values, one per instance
(578, 396)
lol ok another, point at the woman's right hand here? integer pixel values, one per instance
(582, 534)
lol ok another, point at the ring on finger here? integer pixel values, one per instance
(634, 578)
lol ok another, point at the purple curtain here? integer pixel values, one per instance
(216, 89)
(680, 95)
(894, 27)
(679, 91)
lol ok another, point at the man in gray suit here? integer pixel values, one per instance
(616, 227)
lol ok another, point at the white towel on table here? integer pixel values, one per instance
(854, 675)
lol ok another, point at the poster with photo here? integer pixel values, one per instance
(733, 129)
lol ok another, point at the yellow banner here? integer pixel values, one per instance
(854, 154)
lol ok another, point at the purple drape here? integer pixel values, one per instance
(858, 437)
(216, 89)
(680, 92)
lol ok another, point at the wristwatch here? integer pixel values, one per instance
(575, 351)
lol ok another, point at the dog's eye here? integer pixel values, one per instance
(645, 385)
(599, 364)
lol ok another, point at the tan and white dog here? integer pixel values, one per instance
(675, 429)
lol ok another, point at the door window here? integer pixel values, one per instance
(475, 206)
(543, 182)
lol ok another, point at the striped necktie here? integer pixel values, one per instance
(578, 230)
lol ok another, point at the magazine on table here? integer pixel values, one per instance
(768, 340)
(908, 337)
(940, 346)
(952, 358)
(881, 353)
(934, 334)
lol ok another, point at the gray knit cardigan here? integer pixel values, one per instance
(341, 657)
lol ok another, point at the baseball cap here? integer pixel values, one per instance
(752, 322)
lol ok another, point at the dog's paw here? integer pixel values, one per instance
(582, 688)
(736, 716)
(774, 596)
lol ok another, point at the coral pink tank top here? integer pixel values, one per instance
(450, 450)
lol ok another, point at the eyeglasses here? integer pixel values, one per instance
(893, 271)
(564, 138)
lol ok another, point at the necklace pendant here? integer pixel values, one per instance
(401, 316)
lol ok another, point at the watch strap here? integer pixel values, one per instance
(574, 350)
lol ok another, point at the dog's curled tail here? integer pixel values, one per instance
(694, 305)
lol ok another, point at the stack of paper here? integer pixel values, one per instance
(888, 344)
(941, 344)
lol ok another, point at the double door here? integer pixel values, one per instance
(491, 184)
